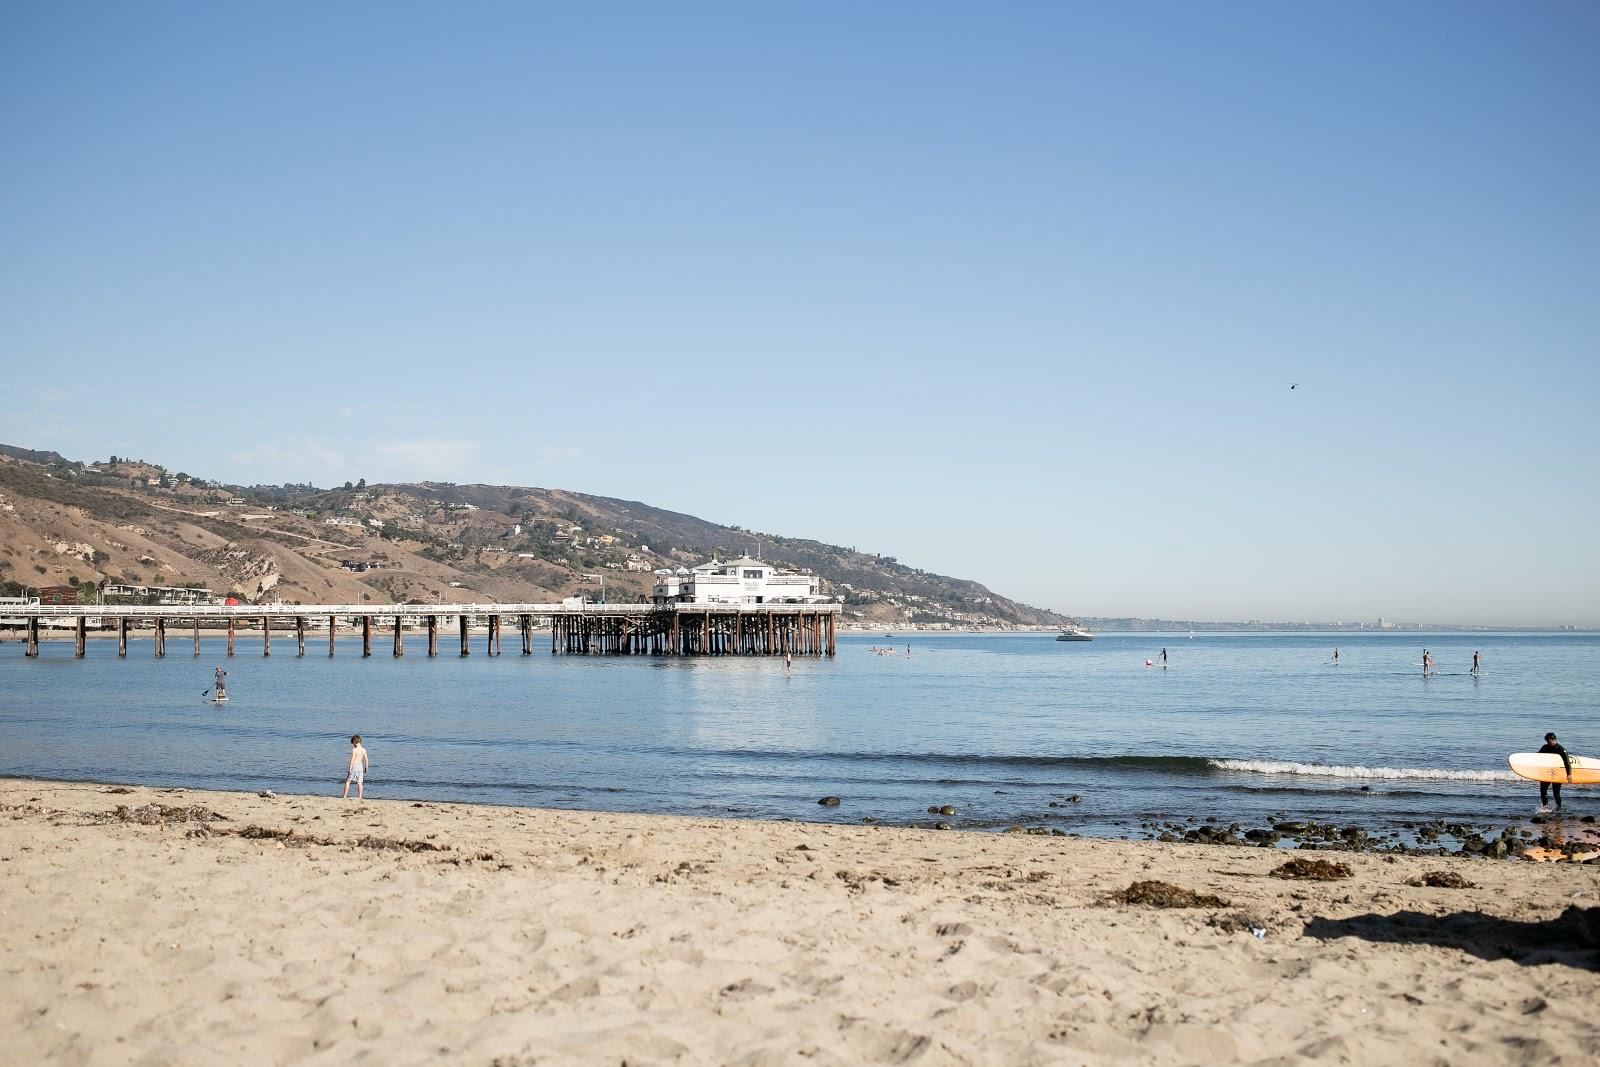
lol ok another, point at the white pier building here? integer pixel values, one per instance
(737, 581)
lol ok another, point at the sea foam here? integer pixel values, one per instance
(1336, 771)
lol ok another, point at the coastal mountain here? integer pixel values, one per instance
(133, 523)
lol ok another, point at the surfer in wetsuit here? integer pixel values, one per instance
(1163, 657)
(1554, 749)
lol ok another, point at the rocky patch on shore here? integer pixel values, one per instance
(1435, 838)
(1157, 894)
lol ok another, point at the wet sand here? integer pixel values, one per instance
(295, 928)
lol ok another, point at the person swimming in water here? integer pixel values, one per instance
(1551, 748)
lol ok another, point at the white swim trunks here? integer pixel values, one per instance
(356, 774)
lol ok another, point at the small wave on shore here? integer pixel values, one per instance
(1323, 770)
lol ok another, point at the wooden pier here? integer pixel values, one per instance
(575, 630)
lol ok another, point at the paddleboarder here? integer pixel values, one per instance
(1475, 663)
(221, 684)
(1545, 788)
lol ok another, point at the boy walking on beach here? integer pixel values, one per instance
(357, 771)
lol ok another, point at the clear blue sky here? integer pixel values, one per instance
(1013, 292)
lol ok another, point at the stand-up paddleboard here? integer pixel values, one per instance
(1547, 767)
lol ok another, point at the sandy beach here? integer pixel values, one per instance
(202, 927)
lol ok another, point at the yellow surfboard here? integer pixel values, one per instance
(1547, 767)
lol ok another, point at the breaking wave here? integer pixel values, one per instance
(1323, 770)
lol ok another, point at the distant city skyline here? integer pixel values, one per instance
(1014, 294)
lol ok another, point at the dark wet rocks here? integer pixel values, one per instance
(1302, 868)
(1156, 894)
(829, 802)
(1035, 831)
(936, 809)
(1431, 839)
(1228, 835)
(1508, 843)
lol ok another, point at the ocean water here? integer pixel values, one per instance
(1243, 727)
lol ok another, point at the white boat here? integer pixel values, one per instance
(1074, 632)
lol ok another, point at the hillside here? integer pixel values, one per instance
(64, 522)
